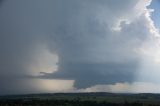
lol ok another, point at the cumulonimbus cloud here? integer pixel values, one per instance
(96, 41)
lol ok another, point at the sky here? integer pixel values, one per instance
(49, 46)
(156, 14)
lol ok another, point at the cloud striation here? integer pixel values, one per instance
(96, 41)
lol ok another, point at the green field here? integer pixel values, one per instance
(81, 99)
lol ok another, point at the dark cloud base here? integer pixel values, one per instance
(89, 74)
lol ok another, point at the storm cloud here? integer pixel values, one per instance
(95, 44)
(96, 41)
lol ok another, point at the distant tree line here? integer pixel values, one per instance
(69, 103)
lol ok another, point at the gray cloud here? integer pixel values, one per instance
(89, 50)
(89, 74)
(1, 1)
(81, 32)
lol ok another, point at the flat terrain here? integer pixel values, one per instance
(81, 99)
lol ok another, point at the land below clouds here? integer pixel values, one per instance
(82, 99)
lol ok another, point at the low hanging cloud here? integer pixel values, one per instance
(97, 41)
(92, 41)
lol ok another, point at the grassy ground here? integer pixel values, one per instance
(81, 99)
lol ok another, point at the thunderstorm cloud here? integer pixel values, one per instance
(89, 42)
